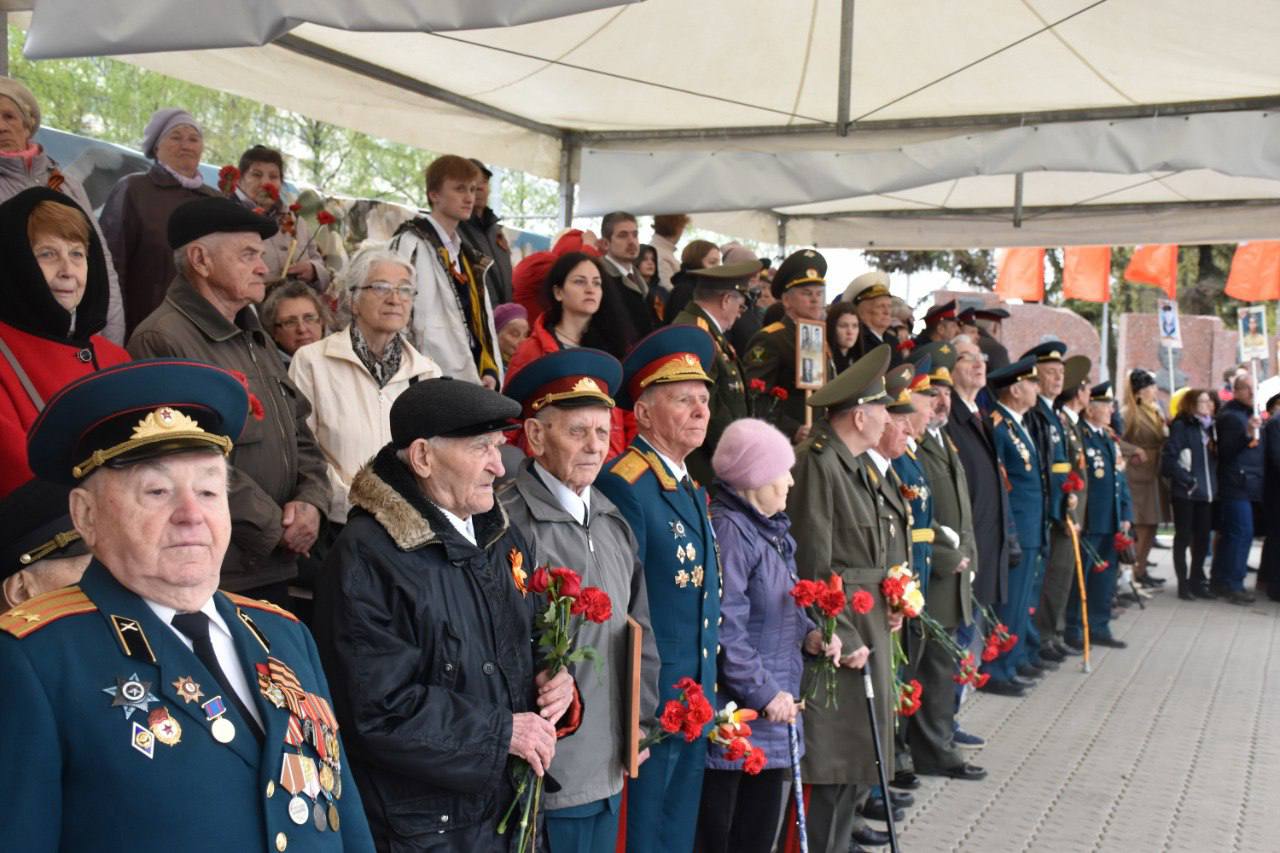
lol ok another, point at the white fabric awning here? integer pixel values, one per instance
(1107, 107)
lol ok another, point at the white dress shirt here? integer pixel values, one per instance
(465, 526)
(224, 649)
(575, 505)
(678, 471)
(453, 244)
(881, 463)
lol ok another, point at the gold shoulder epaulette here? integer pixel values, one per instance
(259, 604)
(45, 609)
(773, 327)
(660, 471)
(996, 419)
(630, 466)
(703, 324)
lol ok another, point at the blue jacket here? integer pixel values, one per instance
(1189, 463)
(1047, 428)
(762, 629)
(1109, 502)
(678, 549)
(1240, 467)
(89, 773)
(917, 493)
(1021, 463)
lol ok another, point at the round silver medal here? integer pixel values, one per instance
(318, 817)
(298, 810)
(223, 730)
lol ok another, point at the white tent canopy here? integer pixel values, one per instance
(869, 123)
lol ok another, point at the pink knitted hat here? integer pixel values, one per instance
(752, 453)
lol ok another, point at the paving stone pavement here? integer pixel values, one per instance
(1171, 744)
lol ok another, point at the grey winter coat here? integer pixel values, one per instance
(589, 765)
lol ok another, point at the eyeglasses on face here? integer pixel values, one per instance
(384, 289)
(299, 322)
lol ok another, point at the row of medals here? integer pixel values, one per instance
(299, 774)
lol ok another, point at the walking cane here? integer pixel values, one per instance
(1084, 596)
(870, 690)
(797, 789)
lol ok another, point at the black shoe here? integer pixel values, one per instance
(1150, 582)
(1065, 650)
(1241, 597)
(1110, 642)
(1049, 653)
(1074, 643)
(1216, 591)
(1202, 591)
(1003, 688)
(1185, 594)
(1029, 671)
(1024, 683)
(865, 835)
(902, 799)
(874, 810)
(905, 781)
(964, 771)
(1045, 663)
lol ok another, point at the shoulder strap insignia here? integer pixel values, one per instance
(660, 471)
(703, 324)
(952, 445)
(254, 629)
(42, 610)
(996, 418)
(774, 327)
(630, 466)
(133, 640)
(259, 604)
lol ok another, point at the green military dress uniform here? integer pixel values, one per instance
(836, 506)
(728, 393)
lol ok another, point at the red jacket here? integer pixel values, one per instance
(541, 342)
(528, 280)
(49, 364)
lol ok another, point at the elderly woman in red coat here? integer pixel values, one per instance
(55, 279)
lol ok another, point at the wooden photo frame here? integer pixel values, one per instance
(811, 355)
(635, 640)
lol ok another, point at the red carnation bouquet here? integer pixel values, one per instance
(569, 604)
(829, 600)
(765, 398)
(686, 716)
(999, 640)
(909, 698)
(731, 732)
(969, 673)
(1073, 483)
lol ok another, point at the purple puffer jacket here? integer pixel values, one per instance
(762, 630)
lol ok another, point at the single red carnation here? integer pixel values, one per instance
(757, 385)
(272, 190)
(539, 581)
(595, 603)
(570, 582)
(324, 217)
(755, 762)
(806, 593)
(736, 749)
(831, 602)
(981, 680)
(779, 392)
(1009, 643)
(990, 653)
(686, 684)
(295, 207)
(672, 718)
(862, 602)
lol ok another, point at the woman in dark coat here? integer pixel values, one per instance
(135, 217)
(55, 306)
(762, 636)
(1189, 461)
(842, 334)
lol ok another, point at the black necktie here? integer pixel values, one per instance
(196, 627)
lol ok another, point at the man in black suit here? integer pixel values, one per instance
(987, 492)
(625, 314)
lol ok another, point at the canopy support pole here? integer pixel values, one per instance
(782, 236)
(568, 148)
(4, 43)
(1017, 200)
(1104, 372)
(844, 84)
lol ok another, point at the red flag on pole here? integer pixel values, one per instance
(1021, 274)
(1255, 271)
(1155, 265)
(1086, 273)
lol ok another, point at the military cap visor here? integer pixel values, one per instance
(1101, 393)
(449, 408)
(860, 384)
(938, 313)
(1047, 352)
(942, 356)
(215, 215)
(1023, 368)
(573, 377)
(134, 411)
(869, 285)
(35, 525)
(991, 314)
(671, 354)
(1075, 372)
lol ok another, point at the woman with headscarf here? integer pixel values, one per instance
(135, 217)
(24, 164)
(1146, 430)
(55, 280)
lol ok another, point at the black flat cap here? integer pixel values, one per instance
(215, 215)
(448, 408)
(35, 524)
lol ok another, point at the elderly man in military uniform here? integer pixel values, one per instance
(156, 712)
(719, 297)
(934, 736)
(870, 294)
(425, 623)
(666, 384)
(1109, 511)
(843, 525)
(1060, 572)
(1047, 432)
(1016, 391)
(771, 355)
(939, 324)
(40, 549)
(567, 400)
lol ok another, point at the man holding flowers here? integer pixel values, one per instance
(426, 627)
(567, 399)
(837, 506)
